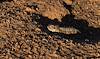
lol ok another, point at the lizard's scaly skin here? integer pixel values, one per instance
(68, 30)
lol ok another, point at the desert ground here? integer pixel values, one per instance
(24, 32)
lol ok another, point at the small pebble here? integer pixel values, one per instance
(98, 12)
(38, 29)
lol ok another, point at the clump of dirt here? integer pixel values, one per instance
(23, 32)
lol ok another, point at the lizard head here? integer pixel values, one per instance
(53, 28)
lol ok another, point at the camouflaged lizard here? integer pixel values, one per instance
(68, 30)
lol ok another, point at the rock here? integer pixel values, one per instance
(53, 9)
(68, 2)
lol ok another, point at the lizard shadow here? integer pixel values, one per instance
(5, 0)
(88, 34)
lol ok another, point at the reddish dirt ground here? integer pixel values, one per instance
(24, 33)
